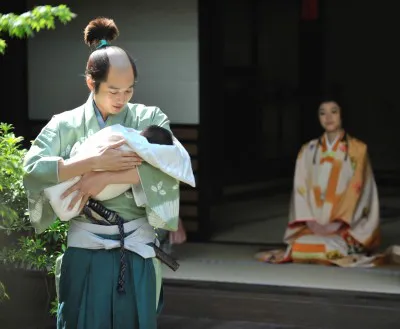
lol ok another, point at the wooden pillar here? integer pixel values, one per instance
(211, 128)
(311, 66)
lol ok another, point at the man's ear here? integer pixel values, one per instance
(90, 83)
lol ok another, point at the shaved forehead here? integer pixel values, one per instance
(118, 58)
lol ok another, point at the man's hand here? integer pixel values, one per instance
(90, 184)
(110, 158)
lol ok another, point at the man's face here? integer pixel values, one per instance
(117, 91)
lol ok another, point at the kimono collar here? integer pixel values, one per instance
(341, 143)
(91, 122)
(99, 117)
(332, 147)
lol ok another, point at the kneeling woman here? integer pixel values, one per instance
(334, 213)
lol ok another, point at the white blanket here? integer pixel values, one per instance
(171, 159)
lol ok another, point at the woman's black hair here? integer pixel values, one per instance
(98, 35)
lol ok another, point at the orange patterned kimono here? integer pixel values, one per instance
(334, 213)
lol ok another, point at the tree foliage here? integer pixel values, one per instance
(26, 24)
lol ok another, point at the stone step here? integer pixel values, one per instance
(190, 304)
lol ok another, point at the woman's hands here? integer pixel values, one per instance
(328, 229)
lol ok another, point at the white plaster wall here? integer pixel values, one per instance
(161, 35)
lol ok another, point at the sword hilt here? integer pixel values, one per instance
(100, 209)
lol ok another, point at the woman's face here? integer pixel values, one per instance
(329, 116)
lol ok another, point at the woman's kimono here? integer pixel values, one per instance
(334, 211)
(88, 297)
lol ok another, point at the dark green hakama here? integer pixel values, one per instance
(88, 296)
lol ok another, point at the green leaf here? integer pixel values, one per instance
(3, 46)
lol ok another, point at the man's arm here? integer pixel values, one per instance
(129, 176)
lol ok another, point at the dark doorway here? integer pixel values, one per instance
(263, 69)
(250, 107)
(259, 46)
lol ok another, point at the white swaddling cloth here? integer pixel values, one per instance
(171, 159)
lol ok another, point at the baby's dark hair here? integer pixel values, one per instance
(158, 135)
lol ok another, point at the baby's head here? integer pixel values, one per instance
(158, 135)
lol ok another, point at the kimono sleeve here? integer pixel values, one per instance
(161, 190)
(41, 171)
(300, 210)
(357, 187)
(160, 119)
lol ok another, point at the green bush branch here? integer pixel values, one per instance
(26, 249)
(3, 293)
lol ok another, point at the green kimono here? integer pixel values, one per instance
(87, 290)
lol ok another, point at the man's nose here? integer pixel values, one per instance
(120, 98)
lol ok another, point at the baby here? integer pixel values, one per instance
(157, 135)
(153, 134)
